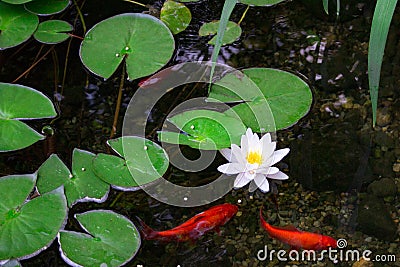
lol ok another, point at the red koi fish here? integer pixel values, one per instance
(298, 239)
(194, 227)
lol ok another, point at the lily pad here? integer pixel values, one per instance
(20, 102)
(261, 2)
(28, 227)
(232, 32)
(16, 25)
(127, 36)
(204, 129)
(113, 240)
(288, 97)
(52, 31)
(176, 16)
(46, 7)
(16, 2)
(81, 185)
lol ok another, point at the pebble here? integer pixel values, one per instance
(396, 167)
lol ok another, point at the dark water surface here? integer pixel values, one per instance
(344, 174)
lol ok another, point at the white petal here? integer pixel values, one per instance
(250, 176)
(237, 154)
(268, 149)
(227, 153)
(244, 145)
(278, 176)
(268, 171)
(253, 186)
(241, 180)
(231, 168)
(266, 138)
(262, 182)
(278, 155)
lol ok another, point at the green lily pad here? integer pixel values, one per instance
(188, 1)
(204, 129)
(146, 160)
(80, 186)
(284, 94)
(16, 2)
(16, 25)
(113, 240)
(261, 2)
(176, 16)
(46, 7)
(232, 32)
(21, 102)
(127, 36)
(26, 228)
(52, 31)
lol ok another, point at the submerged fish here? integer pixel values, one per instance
(298, 239)
(194, 227)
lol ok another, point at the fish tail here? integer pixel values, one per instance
(146, 230)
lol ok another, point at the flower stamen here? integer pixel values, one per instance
(254, 157)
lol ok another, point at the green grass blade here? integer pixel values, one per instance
(226, 13)
(379, 30)
(325, 3)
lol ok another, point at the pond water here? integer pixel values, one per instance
(344, 175)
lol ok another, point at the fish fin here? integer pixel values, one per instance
(290, 227)
(146, 230)
(218, 230)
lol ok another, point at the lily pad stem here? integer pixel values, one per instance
(137, 3)
(244, 15)
(119, 100)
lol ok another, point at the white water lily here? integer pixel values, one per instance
(252, 162)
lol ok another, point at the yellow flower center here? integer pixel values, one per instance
(254, 157)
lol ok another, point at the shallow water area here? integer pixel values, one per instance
(344, 175)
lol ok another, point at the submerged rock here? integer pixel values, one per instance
(384, 187)
(375, 220)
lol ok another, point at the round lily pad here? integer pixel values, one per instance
(261, 2)
(204, 129)
(80, 186)
(113, 240)
(52, 31)
(176, 16)
(127, 36)
(26, 228)
(16, 2)
(232, 32)
(16, 25)
(21, 102)
(287, 96)
(46, 7)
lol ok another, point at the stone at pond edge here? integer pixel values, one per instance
(383, 188)
(374, 219)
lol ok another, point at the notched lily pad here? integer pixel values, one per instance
(176, 16)
(232, 32)
(81, 185)
(52, 31)
(112, 240)
(28, 227)
(204, 129)
(46, 7)
(20, 102)
(16, 24)
(128, 36)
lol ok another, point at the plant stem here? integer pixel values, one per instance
(119, 100)
(137, 3)
(244, 14)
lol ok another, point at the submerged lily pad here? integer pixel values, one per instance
(52, 31)
(176, 16)
(232, 32)
(112, 240)
(80, 186)
(16, 25)
(261, 2)
(127, 36)
(19, 102)
(284, 94)
(46, 7)
(26, 228)
(204, 129)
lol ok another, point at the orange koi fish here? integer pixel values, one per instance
(194, 227)
(298, 239)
